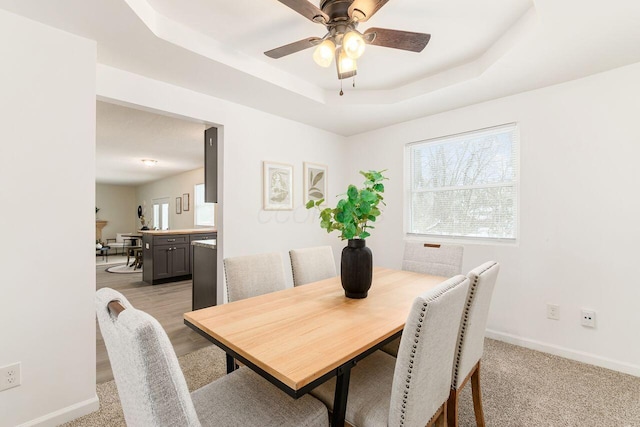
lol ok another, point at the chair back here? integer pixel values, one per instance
(435, 259)
(253, 275)
(421, 380)
(312, 264)
(151, 385)
(474, 321)
(120, 238)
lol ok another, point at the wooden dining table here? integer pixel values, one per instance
(300, 337)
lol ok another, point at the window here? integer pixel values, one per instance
(161, 214)
(465, 185)
(205, 212)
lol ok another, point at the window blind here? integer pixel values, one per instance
(465, 185)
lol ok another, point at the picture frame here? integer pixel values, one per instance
(178, 205)
(185, 202)
(277, 186)
(315, 182)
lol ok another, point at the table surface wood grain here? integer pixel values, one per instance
(299, 334)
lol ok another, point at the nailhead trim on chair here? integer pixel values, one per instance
(293, 273)
(465, 321)
(425, 305)
(226, 281)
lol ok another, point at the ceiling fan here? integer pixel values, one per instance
(343, 40)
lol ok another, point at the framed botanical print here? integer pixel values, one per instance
(315, 182)
(185, 202)
(277, 186)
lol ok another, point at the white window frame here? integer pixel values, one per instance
(157, 221)
(195, 209)
(409, 236)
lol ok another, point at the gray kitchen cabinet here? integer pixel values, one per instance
(211, 165)
(166, 258)
(204, 274)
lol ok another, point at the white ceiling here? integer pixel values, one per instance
(478, 51)
(461, 31)
(125, 136)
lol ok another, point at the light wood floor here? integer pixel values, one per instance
(166, 302)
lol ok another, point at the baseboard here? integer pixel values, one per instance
(567, 353)
(64, 415)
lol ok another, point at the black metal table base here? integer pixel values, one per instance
(340, 396)
(342, 374)
(231, 364)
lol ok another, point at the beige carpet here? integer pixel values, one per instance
(521, 387)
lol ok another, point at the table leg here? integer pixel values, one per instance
(231, 364)
(340, 397)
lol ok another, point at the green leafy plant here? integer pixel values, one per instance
(352, 215)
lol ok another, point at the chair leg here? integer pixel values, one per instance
(477, 396)
(443, 423)
(439, 419)
(452, 408)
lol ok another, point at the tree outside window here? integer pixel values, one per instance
(465, 185)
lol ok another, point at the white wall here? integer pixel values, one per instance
(248, 137)
(47, 161)
(579, 213)
(171, 187)
(118, 207)
(578, 224)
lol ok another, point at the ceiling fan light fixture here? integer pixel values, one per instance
(353, 44)
(347, 66)
(323, 55)
(149, 162)
(343, 40)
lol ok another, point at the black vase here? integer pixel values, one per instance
(356, 269)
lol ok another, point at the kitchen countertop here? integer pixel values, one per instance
(183, 231)
(209, 244)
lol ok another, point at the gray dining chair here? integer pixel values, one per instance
(253, 275)
(309, 265)
(432, 258)
(153, 390)
(120, 242)
(413, 389)
(471, 340)
(429, 258)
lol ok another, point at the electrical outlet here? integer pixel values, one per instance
(10, 376)
(588, 318)
(553, 311)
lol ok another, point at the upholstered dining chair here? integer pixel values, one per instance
(153, 390)
(471, 340)
(413, 389)
(312, 264)
(429, 258)
(253, 275)
(119, 242)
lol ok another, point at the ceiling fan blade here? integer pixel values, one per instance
(294, 47)
(362, 10)
(306, 9)
(396, 39)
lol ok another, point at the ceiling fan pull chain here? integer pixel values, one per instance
(341, 92)
(354, 81)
